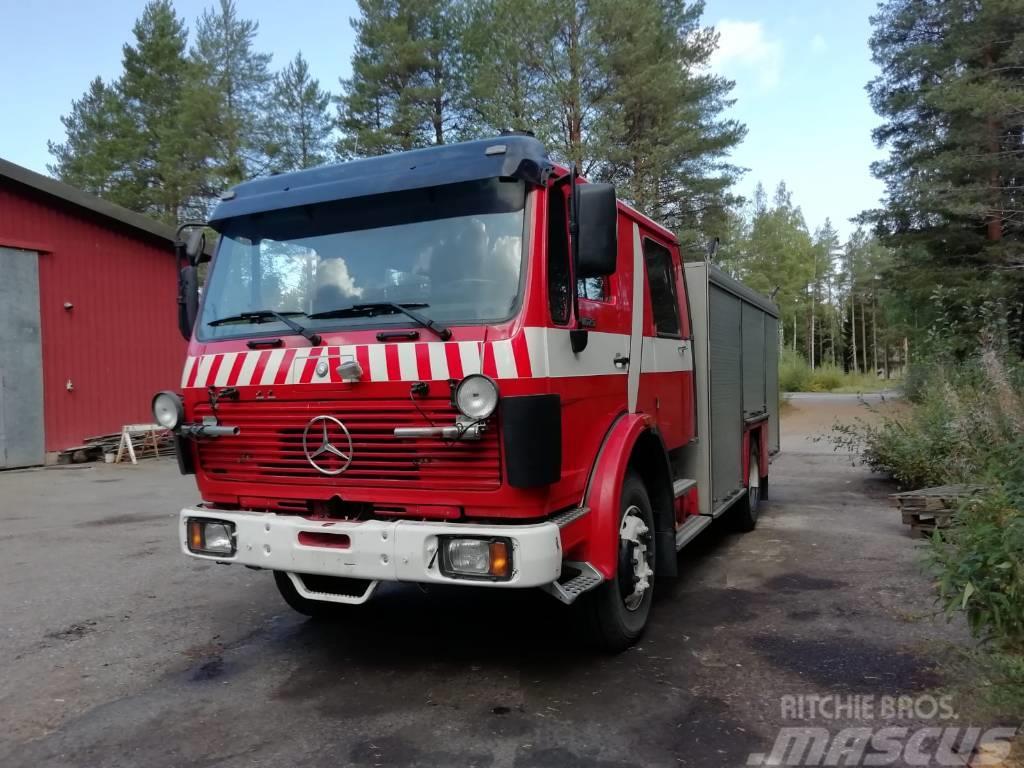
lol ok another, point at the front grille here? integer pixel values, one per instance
(269, 448)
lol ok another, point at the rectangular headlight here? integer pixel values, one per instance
(476, 558)
(210, 537)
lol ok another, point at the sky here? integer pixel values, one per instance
(800, 67)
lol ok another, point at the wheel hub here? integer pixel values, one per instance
(634, 558)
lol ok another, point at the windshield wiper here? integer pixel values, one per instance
(259, 315)
(389, 307)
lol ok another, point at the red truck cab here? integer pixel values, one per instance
(455, 365)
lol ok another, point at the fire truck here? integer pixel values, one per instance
(464, 365)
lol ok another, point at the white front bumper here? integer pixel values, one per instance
(397, 550)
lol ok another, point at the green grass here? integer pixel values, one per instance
(795, 375)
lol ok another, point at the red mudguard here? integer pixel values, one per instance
(600, 547)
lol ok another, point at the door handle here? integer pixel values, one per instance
(620, 361)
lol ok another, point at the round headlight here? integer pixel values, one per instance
(476, 396)
(168, 410)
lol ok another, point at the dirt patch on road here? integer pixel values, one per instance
(807, 420)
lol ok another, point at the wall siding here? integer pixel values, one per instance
(120, 343)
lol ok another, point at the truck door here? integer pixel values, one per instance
(666, 381)
(592, 382)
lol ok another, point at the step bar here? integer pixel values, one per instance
(567, 591)
(693, 525)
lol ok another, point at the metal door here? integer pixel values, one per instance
(21, 362)
(726, 394)
(754, 403)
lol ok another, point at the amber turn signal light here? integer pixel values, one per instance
(499, 559)
(195, 535)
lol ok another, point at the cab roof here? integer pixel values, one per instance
(512, 156)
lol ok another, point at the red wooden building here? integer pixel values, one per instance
(88, 328)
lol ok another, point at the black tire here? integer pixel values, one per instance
(743, 515)
(316, 609)
(616, 617)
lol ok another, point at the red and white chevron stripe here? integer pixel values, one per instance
(534, 353)
(419, 361)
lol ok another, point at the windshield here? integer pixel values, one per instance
(455, 252)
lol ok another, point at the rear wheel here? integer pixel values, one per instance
(620, 607)
(744, 513)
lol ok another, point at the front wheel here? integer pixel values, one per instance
(620, 607)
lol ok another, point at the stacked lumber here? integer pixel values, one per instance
(928, 509)
(94, 448)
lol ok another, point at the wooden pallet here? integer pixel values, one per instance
(929, 509)
(936, 499)
(925, 524)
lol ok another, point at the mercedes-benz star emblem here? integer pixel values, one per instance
(320, 426)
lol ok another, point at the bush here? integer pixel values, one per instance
(964, 416)
(916, 381)
(794, 372)
(796, 375)
(825, 379)
(979, 562)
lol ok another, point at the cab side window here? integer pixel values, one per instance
(661, 284)
(559, 274)
(593, 289)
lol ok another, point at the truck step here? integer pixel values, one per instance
(567, 591)
(693, 525)
(562, 519)
(679, 487)
(334, 589)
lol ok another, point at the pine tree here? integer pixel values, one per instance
(239, 76)
(660, 126)
(92, 156)
(166, 146)
(950, 92)
(504, 74)
(299, 121)
(572, 87)
(143, 142)
(826, 250)
(405, 88)
(779, 258)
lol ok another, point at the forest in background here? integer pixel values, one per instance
(624, 89)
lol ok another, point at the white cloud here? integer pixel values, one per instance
(818, 44)
(743, 48)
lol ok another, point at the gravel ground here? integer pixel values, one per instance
(115, 650)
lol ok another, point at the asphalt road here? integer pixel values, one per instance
(115, 650)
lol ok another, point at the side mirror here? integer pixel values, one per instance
(188, 300)
(597, 240)
(195, 245)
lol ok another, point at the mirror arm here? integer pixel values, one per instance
(578, 335)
